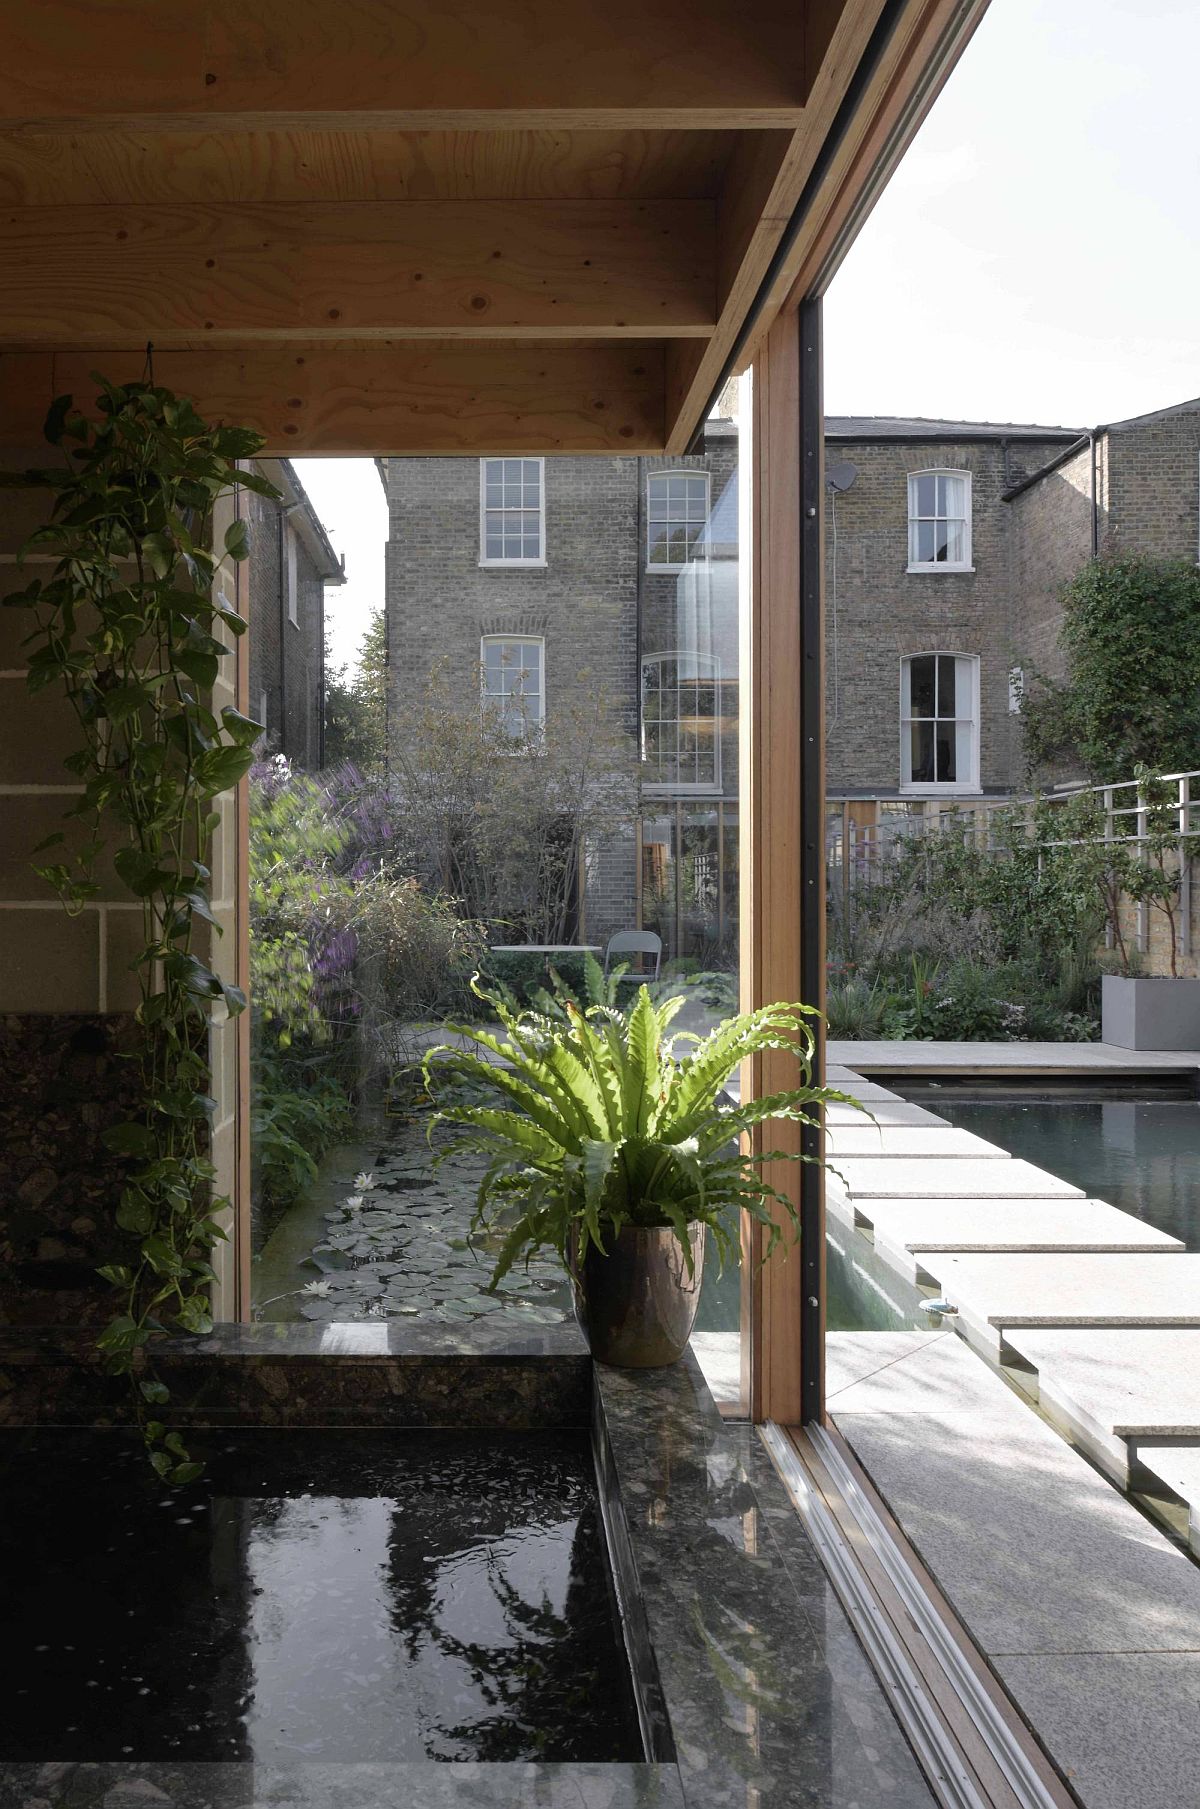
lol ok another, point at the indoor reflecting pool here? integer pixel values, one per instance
(315, 1597)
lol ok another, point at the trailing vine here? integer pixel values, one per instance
(132, 625)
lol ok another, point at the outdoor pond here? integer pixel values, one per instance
(1142, 1155)
(315, 1597)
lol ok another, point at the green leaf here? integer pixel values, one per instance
(244, 731)
(128, 1140)
(117, 1273)
(159, 554)
(56, 418)
(156, 1392)
(237, 540)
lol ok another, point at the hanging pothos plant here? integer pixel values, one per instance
(132, 625)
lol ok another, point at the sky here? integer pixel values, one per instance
(1036, 257)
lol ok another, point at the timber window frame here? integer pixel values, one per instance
(943, 697)
(522, 723)
(939, 520)
(507, 540)
(678, 500)
(691, 675)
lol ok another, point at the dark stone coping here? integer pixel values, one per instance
(747, 1670)
(358, 1373)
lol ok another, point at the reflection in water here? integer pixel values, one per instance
(352, 1597)
(1140, 1155)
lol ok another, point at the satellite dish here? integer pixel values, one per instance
(841, 476)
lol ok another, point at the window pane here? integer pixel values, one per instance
(956, 552)
(946, 748)
(925, 531)
(954, 496)
(921, 683)
(941, 540)
(964, 739)
(495, 543)
(926, 496)
(921, 752)
(945, 694)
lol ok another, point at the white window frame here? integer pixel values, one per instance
(659, 569)
(516, 640)
(511, 564)
(934, 787)
(292, 577)
(938, 565)
(673, 788)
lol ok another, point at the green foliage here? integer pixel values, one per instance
(525, 975)
(131, 624)
(356, 704)
(600, 1122)
(419, 954)
(1131, 636)
(297, 1117)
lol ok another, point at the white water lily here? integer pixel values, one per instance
(363, 1181)
(319, 1288)
(353, 1201)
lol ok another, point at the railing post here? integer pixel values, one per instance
(1143, 910)
(1110, 939)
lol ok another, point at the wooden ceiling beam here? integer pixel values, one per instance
(404, 64)
(405, 398)
(80, 276)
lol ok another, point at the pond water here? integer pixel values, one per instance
(1141, 1155)
(315, 1597)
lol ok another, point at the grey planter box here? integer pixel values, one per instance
(1150, 1014)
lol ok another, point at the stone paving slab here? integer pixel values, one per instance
(950, 1177)
(910, 1373)
(1179, 1467)
(994, 1292)
(914, 1234)
(1134, 1383)
(883, 1111)
(1130, 1723)
(1037, 1551)
(846, 1081)
(851, 1357)
(1056, 1058)
(890, 1139)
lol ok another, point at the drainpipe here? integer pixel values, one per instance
(1092, 433)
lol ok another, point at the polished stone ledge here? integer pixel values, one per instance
(364, 1373)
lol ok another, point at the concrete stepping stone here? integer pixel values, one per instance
(1179, 1467)
(883, 1111)
(948, 1177)
(853, 1356)
(914, 1234)
(867, 1139)
(1114, 1390)
(995, 1292)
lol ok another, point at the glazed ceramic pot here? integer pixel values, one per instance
(636, 1304)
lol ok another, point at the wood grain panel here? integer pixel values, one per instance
(398, 398)
(773, 919)
(213, 167)
(444, 269)
(457, 64)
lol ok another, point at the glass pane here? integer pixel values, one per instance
(941, 542)
(956, 549)
(953, 496)
(926, 488)
(946, 665)
(921, 752)
(925, 542)
(964, 744)
(947, 767)
(921, 685)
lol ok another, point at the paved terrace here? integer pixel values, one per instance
(1089, 1613)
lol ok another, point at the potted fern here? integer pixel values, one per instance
(617, 1147)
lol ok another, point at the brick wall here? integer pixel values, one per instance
(286, 658)
(878, 612)
(1154, 486)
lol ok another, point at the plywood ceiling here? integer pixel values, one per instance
(402, 226)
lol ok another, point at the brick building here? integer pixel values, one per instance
(946, 545)
(291, 562)
(563, 576)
